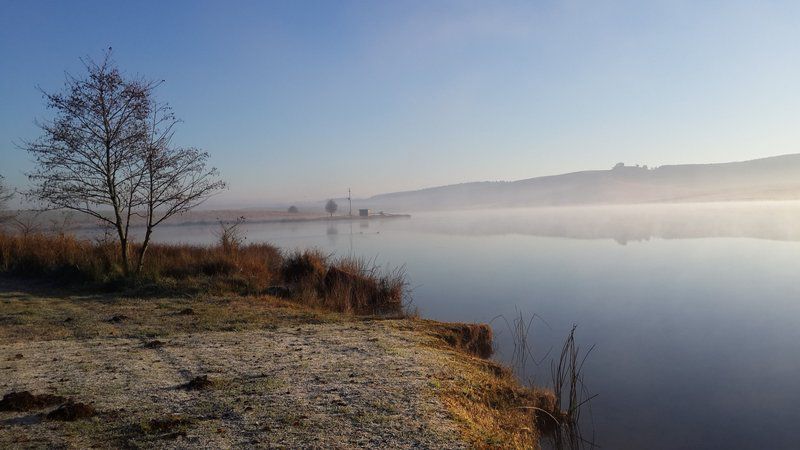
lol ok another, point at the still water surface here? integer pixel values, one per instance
(694, 310)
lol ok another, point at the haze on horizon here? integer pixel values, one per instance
(297, 101)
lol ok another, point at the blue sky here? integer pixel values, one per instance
(300, 100)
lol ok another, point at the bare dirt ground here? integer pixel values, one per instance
(277, 377)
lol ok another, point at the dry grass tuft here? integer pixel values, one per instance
(347, 285)
(305, 268)
(356, 286)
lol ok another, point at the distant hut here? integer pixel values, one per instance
(363, 212)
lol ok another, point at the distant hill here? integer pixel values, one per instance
(776, 177)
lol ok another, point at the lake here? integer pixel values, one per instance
(693, 309)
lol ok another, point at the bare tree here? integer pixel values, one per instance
(5, 196)
(175, 179)
(107, 153)
(61, 224)
(88, 155)
(331, 207)
(28, 222)
(231, 235)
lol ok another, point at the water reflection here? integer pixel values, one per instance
(333, 234)
(624, 224)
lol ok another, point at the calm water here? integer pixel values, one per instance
(694, 310)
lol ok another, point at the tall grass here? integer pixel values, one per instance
(346, 285)
(559, 419)
(349, 285)
(359, 286)
(60, 258)
(571, 394)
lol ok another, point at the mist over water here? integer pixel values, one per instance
(693, 308)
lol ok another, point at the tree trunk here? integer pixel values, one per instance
(123, 244)
(145, 245)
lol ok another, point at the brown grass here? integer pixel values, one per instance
(310, 277)
(305, 268)
(61, 258)
(357, 286)
(219, 269)
(473, 338)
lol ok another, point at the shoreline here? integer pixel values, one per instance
(297, 219)
(422, 376)
(264, 217)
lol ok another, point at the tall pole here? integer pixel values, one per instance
(350, 200)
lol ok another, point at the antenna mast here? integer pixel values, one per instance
(350, 200)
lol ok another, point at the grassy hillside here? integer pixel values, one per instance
(769, 178)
